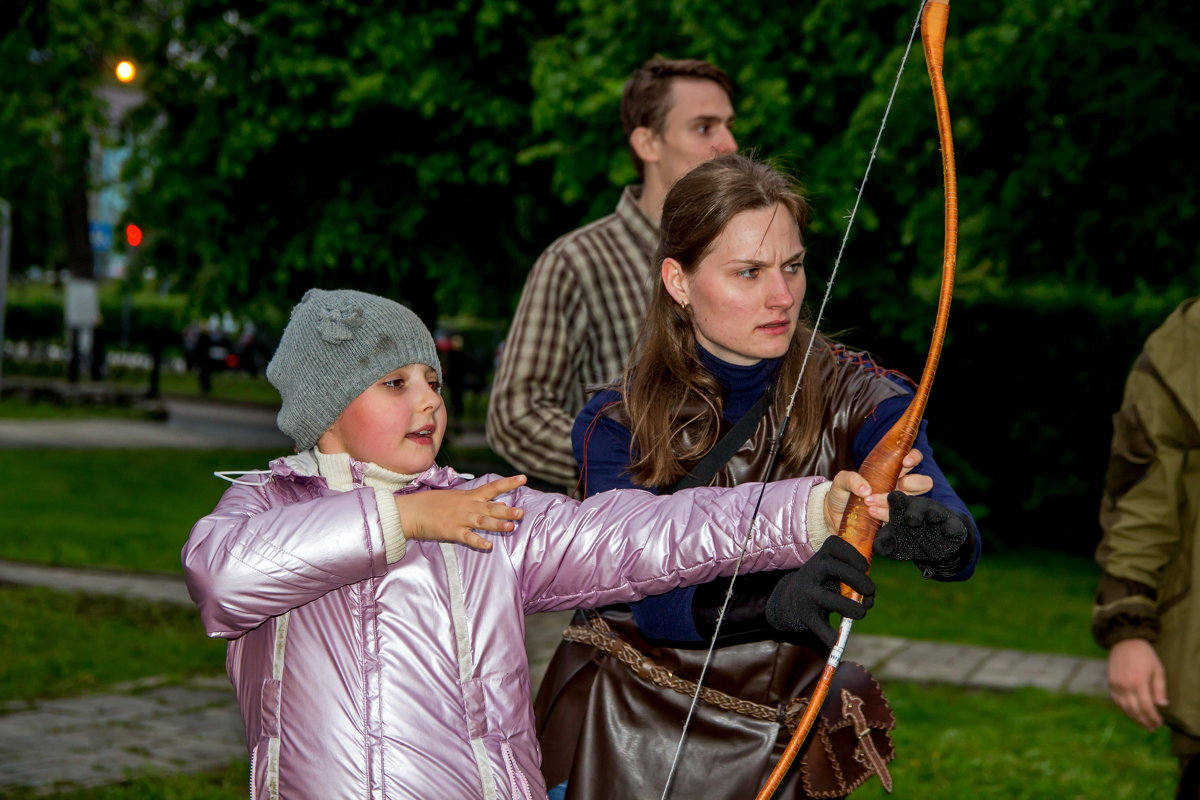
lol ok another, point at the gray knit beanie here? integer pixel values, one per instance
(336, 344)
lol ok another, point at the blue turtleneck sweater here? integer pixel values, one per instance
(602, 448)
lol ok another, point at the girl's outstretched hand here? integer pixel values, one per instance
(847, 484)
(453, 515)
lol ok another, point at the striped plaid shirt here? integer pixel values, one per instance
(577, 320)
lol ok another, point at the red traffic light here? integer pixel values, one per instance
(133, 235)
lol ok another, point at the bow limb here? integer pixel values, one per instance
(883, 465)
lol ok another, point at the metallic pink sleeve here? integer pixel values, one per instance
(622, 545)
(251, 559)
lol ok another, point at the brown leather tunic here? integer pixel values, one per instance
(615, 738)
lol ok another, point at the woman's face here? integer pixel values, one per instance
(746, 294)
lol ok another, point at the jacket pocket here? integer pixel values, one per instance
(272, 691)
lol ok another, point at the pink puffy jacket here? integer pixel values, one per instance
(360, 680)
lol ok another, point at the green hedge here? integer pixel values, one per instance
(1021, 410)
(33, 313)
(140, 320)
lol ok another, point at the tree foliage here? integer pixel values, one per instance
(371, 144)
(432, 150)
(1070, 121)
(56, 57)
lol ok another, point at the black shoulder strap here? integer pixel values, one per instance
(719, 456)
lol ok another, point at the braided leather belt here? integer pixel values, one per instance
(600, 636)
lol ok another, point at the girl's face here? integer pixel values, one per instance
(745, 295)
(397, 422)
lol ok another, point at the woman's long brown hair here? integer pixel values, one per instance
(664, 375)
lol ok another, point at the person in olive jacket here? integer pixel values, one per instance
(1146, 611)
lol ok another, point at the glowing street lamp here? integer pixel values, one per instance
(126, 71)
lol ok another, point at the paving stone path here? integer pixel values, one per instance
(132, 729)
(191, 424)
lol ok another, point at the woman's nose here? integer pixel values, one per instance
(780, 292)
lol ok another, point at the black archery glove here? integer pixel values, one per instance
(805, 598)
(921, 530)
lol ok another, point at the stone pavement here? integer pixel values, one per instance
(143, 727)
(152, 726)
(158, 726)
(191, 424)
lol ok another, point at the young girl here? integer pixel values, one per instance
(369, 661)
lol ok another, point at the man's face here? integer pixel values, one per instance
(698, 127)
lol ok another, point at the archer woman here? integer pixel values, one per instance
(701, 402)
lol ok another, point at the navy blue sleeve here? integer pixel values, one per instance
(874, 428)
(602, 451)
(601, 447)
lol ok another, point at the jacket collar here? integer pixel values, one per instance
(302, 468)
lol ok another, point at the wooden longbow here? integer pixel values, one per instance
(882, 466)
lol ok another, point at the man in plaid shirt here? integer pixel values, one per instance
(584, 299)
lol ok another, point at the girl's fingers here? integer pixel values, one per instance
(472, 539)
(504, 512)
(491, 491)
(491, 522)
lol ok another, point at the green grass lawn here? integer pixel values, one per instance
(235, 386)
(961, 744)
(129, 509)
(225, 784)
(58, 643)
(11, 408)
(1024, 600)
